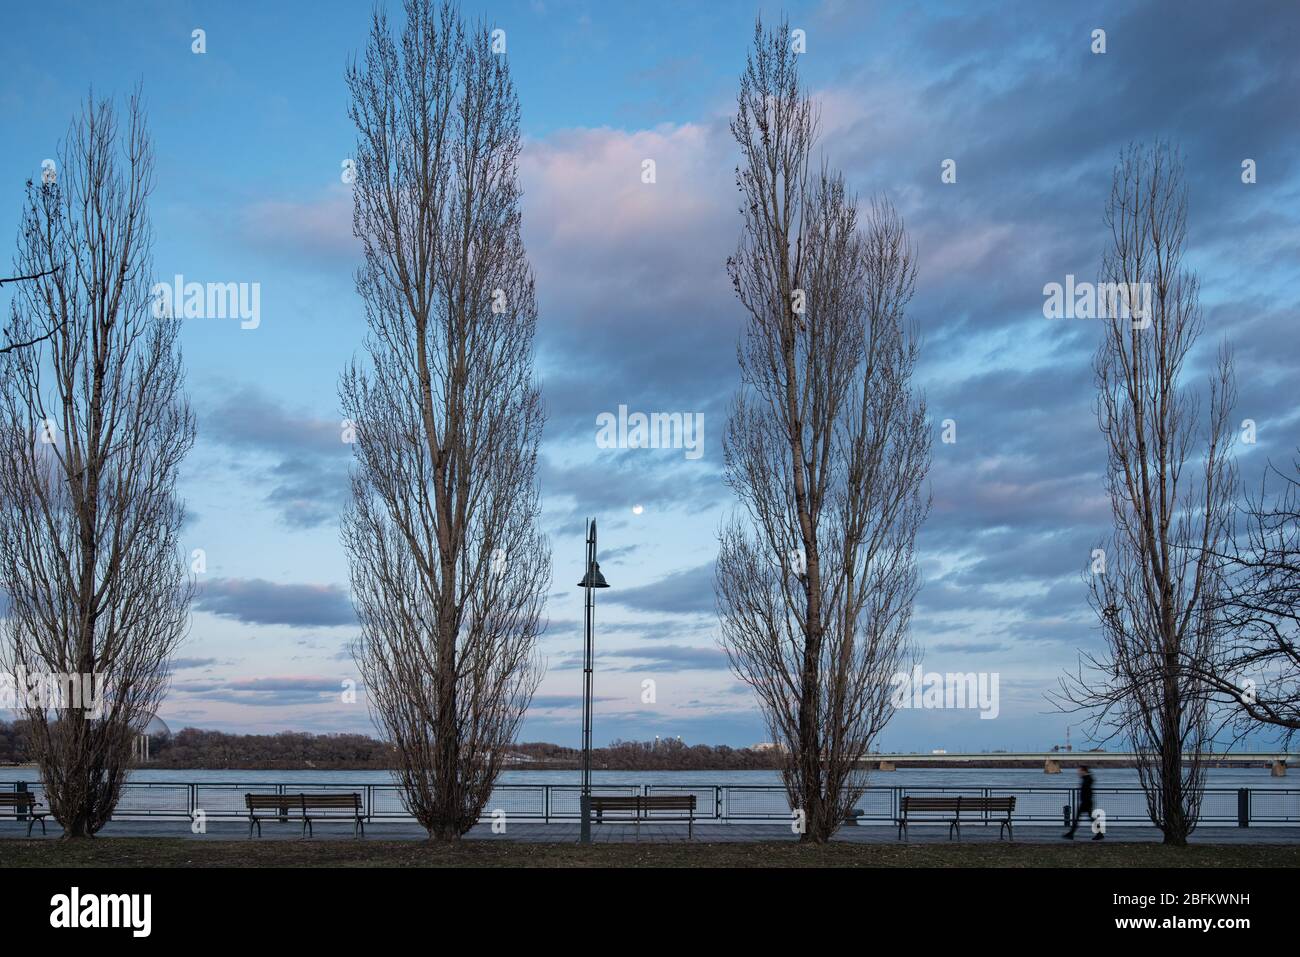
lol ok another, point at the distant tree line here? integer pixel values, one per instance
(14, 747)
(661, 755)
(295, 750)
(196, 748)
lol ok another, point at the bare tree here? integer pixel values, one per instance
(449, 569)
(94, 425)
(1157, 597)
(826, 447)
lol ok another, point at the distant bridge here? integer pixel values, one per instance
(1015, 759)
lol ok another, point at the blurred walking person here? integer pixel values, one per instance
(1085, 804)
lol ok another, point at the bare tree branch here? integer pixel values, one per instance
(39, 339)
(35, 275)
(1258, 670)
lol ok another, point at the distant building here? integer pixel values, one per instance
(767, 746)
(156, 728)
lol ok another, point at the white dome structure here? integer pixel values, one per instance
(157, 728)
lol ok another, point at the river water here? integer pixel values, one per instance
(906, 777)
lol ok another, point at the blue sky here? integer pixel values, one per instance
(636, 310)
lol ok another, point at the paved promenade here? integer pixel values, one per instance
(664, 833)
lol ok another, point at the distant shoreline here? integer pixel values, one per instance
(1064, 762)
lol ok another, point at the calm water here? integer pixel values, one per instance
(917, 777)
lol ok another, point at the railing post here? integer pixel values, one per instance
(1243, 807)
(20, 788)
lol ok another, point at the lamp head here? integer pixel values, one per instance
(593, 578)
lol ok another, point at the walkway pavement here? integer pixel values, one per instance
(662, 833)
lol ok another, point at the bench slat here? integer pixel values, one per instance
(668, 802)
(18, 799)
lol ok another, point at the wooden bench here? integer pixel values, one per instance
(24, 802)
(308, 807)
(956, 806)
(640, 805)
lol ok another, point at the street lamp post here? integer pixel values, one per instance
(591, 579)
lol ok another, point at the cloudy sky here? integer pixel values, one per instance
(636, 309)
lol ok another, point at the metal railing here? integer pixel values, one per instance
(717, 803)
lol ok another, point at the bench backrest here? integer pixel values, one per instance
(350, 800)
(18, 799)
(670, 802)
(643, 802)
(615, 803)
(265, 802)
(930, 803)
(988, 804)
(962, 803)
